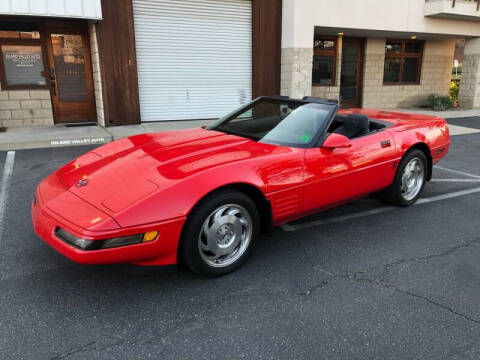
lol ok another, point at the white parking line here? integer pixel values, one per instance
(288, 227)
(455, 180)
(4, 187)
(456, 172)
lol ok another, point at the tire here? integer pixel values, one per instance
(220, 232)
(412, 186)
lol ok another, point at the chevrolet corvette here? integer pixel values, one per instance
(203, 196)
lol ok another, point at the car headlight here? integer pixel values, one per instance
(105, 244)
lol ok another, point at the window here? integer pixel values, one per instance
(280, 122)
(403, 61)
(324, 61)
(21, 58)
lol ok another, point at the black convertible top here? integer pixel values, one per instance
(305, 99)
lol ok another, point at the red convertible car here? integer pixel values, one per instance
(204, 195)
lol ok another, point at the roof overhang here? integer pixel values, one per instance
(320, 30)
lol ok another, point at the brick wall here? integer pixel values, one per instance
(25, 108)
(296, 73)
(469, 96)
(435, 77)
(97, 77)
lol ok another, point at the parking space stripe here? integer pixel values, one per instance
(455, 180)
(456, 172)
(447, 196)
(289, 227)
(4, 187)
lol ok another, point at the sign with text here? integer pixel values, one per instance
(23, 64)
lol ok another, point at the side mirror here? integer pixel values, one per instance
(335, 141)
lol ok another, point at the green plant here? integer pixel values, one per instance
(453, 92)
(439, 103)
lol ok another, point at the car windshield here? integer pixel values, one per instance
(287, 123)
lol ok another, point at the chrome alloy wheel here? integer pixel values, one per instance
(412, 179)
(225, 235)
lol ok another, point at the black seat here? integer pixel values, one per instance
(354, 125)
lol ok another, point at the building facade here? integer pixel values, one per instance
(132, 61)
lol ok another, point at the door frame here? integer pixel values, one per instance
(360, 69)
(70, 30)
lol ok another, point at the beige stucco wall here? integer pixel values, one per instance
(435, 77)
(331, 92)
(25, 108)
(384, 16)
(97, 77)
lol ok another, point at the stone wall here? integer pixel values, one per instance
(469, 95)
(435, 76)
(296, 73)
(331, 92)
(25, 108)
(97, 77)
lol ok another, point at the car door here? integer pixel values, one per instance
(336, 175)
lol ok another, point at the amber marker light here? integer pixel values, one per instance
(150, 236)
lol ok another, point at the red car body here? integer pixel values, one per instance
(151, 182)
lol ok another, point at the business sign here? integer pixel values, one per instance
(23, 65)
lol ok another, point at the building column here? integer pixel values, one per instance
(297, 52)
(469, 95)
(296, 74)
(97, 76)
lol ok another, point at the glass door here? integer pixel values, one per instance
(351, 76)
(71, 77)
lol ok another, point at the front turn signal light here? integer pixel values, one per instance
(150, 236)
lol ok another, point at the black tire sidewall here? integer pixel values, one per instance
(192, 227)
(399, 199)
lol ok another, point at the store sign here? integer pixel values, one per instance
(23, 65)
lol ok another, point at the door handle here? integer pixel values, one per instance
(54, 88)
(386, 143)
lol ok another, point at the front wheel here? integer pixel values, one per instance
(219, 233)
(409, 180)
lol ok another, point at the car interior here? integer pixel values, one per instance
(350, 125)
(355, 125)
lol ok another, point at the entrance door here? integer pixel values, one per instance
(71, 77)
(352, 70)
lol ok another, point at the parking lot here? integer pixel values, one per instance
(361, 281)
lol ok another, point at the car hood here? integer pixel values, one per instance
(116, 175)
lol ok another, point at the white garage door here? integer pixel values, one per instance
(194, 57)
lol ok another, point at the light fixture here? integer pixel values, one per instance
(413, 37)
(84, 244)
(341, 34)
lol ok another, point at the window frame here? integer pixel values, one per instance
(25, 42)
(402, 55)
(333, 53)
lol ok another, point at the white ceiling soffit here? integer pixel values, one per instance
(319, 30)
(79, 9)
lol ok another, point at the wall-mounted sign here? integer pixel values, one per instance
(23, 64)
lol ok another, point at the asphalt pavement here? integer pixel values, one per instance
(363, 281)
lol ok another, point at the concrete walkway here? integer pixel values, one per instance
(60, 135)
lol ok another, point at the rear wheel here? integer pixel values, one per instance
(219, 233)
(409, 180)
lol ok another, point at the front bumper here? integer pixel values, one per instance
(162, 251)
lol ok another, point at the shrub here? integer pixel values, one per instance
(439, 103)
(454, 88)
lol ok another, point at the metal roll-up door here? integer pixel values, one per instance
(194, 57)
